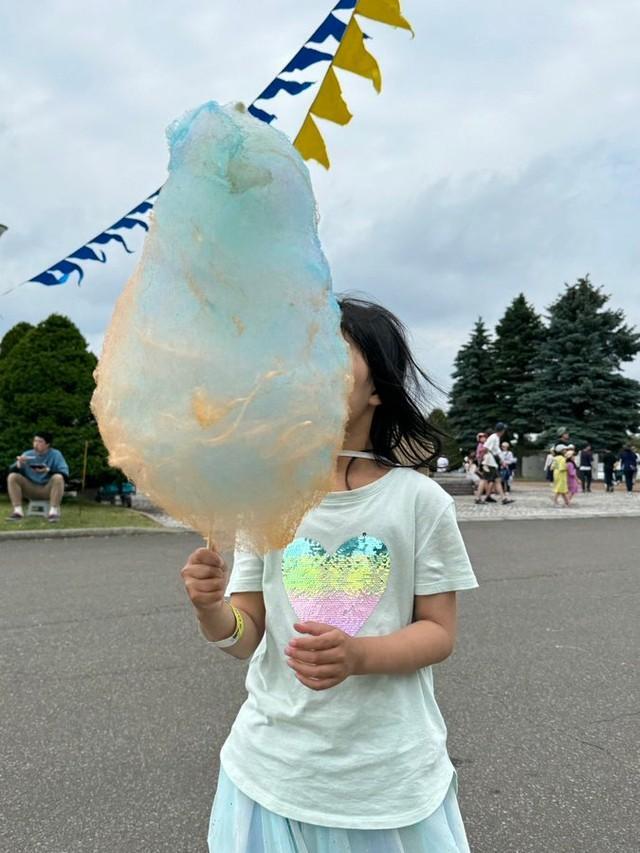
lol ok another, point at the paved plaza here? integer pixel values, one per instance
(112, 710)
(534, 501)
(531, 501)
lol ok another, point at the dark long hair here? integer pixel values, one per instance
(401, 433)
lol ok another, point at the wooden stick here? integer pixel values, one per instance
(84, 464)
(84, 478)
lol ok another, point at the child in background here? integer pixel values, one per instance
(481, 437)
(560, 477)
(507, 464)
(471, 470)
(340, 745)
(572, 473)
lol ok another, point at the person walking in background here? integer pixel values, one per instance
(492, 446)
(560, 484)
(629, 465)
(481, 437)
(572, 473)
(483, 474)
(617, 471)
(489, 469)
(507, 464)
(608, 463)
(496, 438)
(586, 468)
(548, 465)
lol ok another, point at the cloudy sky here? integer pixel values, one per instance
(502, 155)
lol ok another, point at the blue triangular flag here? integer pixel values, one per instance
(261, 114)
(332, 26)
(307, 56)
(279, 85)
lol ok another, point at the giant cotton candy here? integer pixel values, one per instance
(222, 388)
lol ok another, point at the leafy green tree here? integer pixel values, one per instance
(12, 337)
(46, 383)
(519, 335)
(577, 381)
(473, 394)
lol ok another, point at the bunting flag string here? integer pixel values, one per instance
(307, 56)
(349, 54)
(60, 272)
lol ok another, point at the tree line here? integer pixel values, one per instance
(541, 374)
(538, 374)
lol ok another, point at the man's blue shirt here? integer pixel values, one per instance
(52, 459)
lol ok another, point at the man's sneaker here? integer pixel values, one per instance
(490, 500)
(507, 500)
(16, 516)
(479, 501)
(53, 517)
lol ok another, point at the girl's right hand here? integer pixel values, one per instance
(205, 578)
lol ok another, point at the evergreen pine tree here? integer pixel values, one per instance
(46, 383)
(473, 394)
(578, 384)
(518, 337)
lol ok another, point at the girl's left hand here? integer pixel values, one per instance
(323, 659)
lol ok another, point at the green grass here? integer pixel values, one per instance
(76, 514)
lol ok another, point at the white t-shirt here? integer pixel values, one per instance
(493, 444)
(507, 457)
(371, 752)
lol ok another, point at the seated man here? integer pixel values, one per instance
(38, 474)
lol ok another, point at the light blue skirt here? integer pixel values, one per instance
(240, 825)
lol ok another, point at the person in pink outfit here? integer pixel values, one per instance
(572, 473)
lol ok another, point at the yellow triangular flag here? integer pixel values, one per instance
(353, 56)
(387, 11)
(310, 143)
(329, 102)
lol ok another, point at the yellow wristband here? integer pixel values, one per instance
(238, 631)
(239, 623)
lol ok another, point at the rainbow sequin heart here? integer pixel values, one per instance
(340, 589)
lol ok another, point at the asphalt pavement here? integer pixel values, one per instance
(112, 710)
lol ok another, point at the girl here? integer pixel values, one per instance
(340, 745)
(471, 470)
(572, 473)
(507, 464)
(560, 484)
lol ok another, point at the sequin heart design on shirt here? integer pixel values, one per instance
(340, 589)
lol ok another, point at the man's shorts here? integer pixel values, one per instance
(490, 476)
